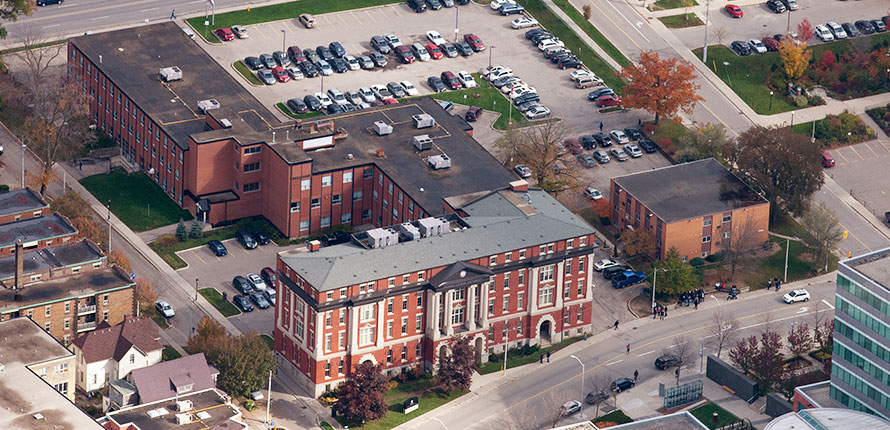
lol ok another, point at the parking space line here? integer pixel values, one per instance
(327, 19)
(872, 150)
(856, 152)
(842, 155)
(369, 16)
(340, 15)
(396, 11)
(198, 256)
(356, 18)
(383, 13)
(884, 146)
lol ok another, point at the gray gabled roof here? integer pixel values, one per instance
(496, 223)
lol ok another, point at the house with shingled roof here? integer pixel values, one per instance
(111, 352)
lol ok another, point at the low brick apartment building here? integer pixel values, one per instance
(699, 208)
(235, 159)
(505, 267)
(21, 204)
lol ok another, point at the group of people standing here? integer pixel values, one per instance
(775, 282)
(691, 298)
(659, 311)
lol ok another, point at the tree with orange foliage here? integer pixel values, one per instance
(88, 230)
(638, 242)
(117, 258)
(795, 58)
(603, 210)
(145, 295)
(804, 31)
(661, 87)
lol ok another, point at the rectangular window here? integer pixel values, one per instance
(380, 179)
(340, 367)
(457, 315)
(304, 225)
(457, 295)
(580, 288)
(327, 342)
(404, 302)
(581, 264)
(411, 207)
(521, 277)
(725, 234)
(567, 290)
(326, 181)
(389, 329)
(315, 203)
(366, 313)
(105, 299)
(327, 370)
(366, 214)
(565, 317)
(492, 260)
(521, 254)
(295, 206)
(67, 307)
(389, 302)
(506, 305)
(325, 222)
(253, 149)
(520, 300)
(328, 319)
(706, 222)
(568, 265)
(347, 177)
(546, 296)
(341, 341)
(357, 195)
(727, 218)
(705, 239)
(366, 335)
(251, 167)
(546, 273)
(368, 173)
(46, 310)
(491, 306)
(404, 325)
(580, 315)
(418, 323)
(507, 281)
(346, 218)
(419, 299)
(335, 199)
(305, 184)
(253, 186)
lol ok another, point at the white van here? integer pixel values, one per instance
(823, 33)
(584, 81)
(188, 32)
(836, 30)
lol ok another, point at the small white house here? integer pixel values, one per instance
(110, 353)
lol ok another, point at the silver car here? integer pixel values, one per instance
(619, 154)
(633, 150)
(420, 52)
(366, 94)
(266, 77)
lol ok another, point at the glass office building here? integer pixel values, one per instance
(860, 372)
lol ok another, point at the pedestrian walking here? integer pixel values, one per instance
(616, 324)
(601, 127)
(769, 285)
(542, 358)
(628, 348)
(636, 374)
(548, 356)
(639, 122)
(80, 166)
(696, 304)
(173, 14)
(654, 311)
(778, 283)
(665, 314)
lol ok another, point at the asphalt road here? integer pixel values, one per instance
(648, 338)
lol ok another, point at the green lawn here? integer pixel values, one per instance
(682, 20)
(516, 359)
(220, 234)
(286, 111)
(430, 398)
(592, 32)
(558, 27)
(137, 200)
(216, 299)
(326, 426)
(487, 97)
(616, 416)
(705, 414)
(159, 319)
(747, 76)
(671, 4)
(170, 353)
(245, 71)
(275, 12)
(269, 341)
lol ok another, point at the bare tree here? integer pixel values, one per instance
(742, 242)
(518, 417)
(682, 348)
(720, 33)
(600, 388)
(553, 402)
(38, 61)
(825, 233)
(540, 148)
(723, 330)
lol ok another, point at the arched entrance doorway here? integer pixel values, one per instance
(545, 330)
(480, 345)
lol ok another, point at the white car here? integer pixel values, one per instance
(593, 193)
(323, 99)
(240, 31)
(269, 293)
(352, 62)
(521, 90)
(435, 37)
(295, 72)
(366, 94)
(499, 73)
(800, 295)
(757, 46)
(550, 44)
(823, 33)
(392, 40)
(164, 309)
(256, 281)
(523, 22)
(604, 264)
(410, 89)
(571, 407)
(618, 137)
(619, 154)
(512, 86)
(581, 73)
(496, 4)
(466, 79)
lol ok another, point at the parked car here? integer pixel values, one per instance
(392, 40)
(613, 271)
(466, 79)
(602, 139)
(164, 309)
(770, 43)
(591, 192)
(475, 42)
(365, 62)
(667, 360)
(734, 11)
(836, 30)
(879, 25)
(496, 4)
(534, 32)
(434, 4)
(865, 26)
(850, 29)
(296, 54)
(259, 300)
(224, 34)
(790, 4)
(417, 6)
(473, 113)
(449, 50)
(379, 60)
(256, 282)
(522, 170)
(587, 142)
(266, 76)
(451, 81)
(608, 100)
(380, 92)
(308, 69)
(268, 61)
(243, 303)
(339, 65)
(647, 145)
(757, 46)
(324, 68)
(297, 106)
(601, 156)
(404, 53)
(525, 98)
(622, 384)
(420, 52)
(436, 84)
(618, 137)
(775, 6)
(295, 73)
(464, 49)
(596, 397)
(537, 112)
(312, 102)
(269, 275)
(823, 33)
(633, 150)
(435, 37)
(740, 48)
(619, 154)
(827, 159)
(633, 133)
(379, 43)
(242, 284)
(351, 62)
(573, 145)
(409, 88)
(334, 108)
(253, 63)
(307, 20)
(337, 49)
(396, 90)
(281, 58)
(604, 264)
(795, 296)
(434, 51)
(523, 22)
(280, 74)
(270, 295)
(324, 52)
(246, 239)
(510, 9)
(366, 94)
(335, 238)
(571, 407)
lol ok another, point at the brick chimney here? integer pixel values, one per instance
(19, 270)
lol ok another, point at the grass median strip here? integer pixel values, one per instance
(430, 397)
(522, 356)
(683, 20)
(245, 71)
(591, 31)
(671, 4)
(276, 12)
(216, 299)
(287, 112)
(134, 198)
(168, 253)
(487, 97)
(572, 41)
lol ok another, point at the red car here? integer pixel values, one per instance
(734, 11)
(608, 100)
(434, 51)
(391, 101)
(770, 43)
(827, 160)
(224, 33)
(475, 42)
(405, 54)
(280, 74)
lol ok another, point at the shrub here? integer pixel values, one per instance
(800, 101)
(713, 258)
(4, 188)
(392, 384)
(249, 405)
(667, 145)
(815, 100)
(842, 128)
(181, 232)
(697, 262)
(166, 241)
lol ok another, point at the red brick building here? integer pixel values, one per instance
(505, 267)
(699, 208)
(238, 160)
(21, 204)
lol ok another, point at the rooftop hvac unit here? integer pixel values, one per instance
(439, 162)
(433, 226)
(382, 128)
(423, 142)
(159, 412)
(184, 405)
(183, 419)
(203, 415)
(225, 123)
(423, 120)
(206, 105)
(409, 231)
(381, 237)
(171, 74)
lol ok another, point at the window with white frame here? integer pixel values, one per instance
(580, 288)
(367, 313)
(347, 177)
(546, 273)
(327, 342)
(457, 294)
(567, 290)
(506, 306)
(520, 300)
(457, 315)
(418, 323)
(404, 325)
(389, 329)
(366, 335)
(546, 296)
(568, 265)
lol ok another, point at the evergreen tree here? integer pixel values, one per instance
(196, 231)
(181, 232)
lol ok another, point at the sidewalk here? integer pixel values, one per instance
(587, 40)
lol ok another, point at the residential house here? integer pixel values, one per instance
(112, 352)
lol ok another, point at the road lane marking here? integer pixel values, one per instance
(631, 24)
(645, 353)
(614, 362)
(719, 119)
(829, 304)
(101, 17)
(149, 9)
(603, 13)
(51, 26)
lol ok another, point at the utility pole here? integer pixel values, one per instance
(708, 20)
(109, 225)
(581, 410)
(24, 148)
(196, 289)
(269, 399)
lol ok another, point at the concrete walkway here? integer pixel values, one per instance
(587, 40)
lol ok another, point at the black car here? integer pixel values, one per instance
(242, 284)
(308, 69)
(339, 65)
(614, 271)
(337, 49)
(261, 237)
(741, 48)
(463, 48)
(525, 98)
(879, 25)
(622, 384)
(596, 397)
(334, 108)
(417, 5)
(434, 4)
(588, 142)
(541, 36)
(557, 56)
(850, 29)
(324, 53)
(463, 2)
(599, 92)
(312, 102)
(865, 27)
(217, 248)
(667, 360)
(46, 2)
(259, 299)
(378, 43)
(246, 239)
(243, 303)
(601, 139)
(378, 59)
(531, 33)
(335, 238)
(572, 62)
(633, 133)
(647, 145)
(297, 106)
(436, 84)
(775, 6)
(254, 63)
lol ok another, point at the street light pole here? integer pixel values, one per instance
(196, 289)
(283, 36)
(490, 50)
(109, 225)
(707, 20)
(792, 119)
(787, 246)
(771, 103)
(456, 20)
(440, 422)
(581, 410)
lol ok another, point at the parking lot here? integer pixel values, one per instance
(217, 272)
(353, 29)
(855, 168)
(759, 22)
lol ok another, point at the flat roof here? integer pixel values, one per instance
(20, 200)
(132, 58)
(874, 265)
(689, 190)
(676, 421)
(85, 284)
(24, 393)
(29, 230)
(820, 394)
(220, 416)
(51, 258)
(828, 419)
